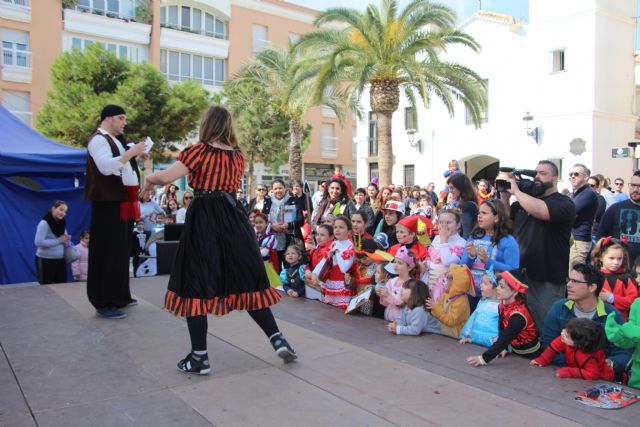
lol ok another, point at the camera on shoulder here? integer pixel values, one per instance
(524, 184)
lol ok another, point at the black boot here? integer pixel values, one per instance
(282, 348)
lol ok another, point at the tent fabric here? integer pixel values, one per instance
(23, 150)
(34, 172)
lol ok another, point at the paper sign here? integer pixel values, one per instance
(148, 144)
(359, 300)
(288, 214)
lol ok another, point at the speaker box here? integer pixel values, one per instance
(166, 254)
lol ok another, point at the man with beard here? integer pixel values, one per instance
(542, 222)
(621, 219)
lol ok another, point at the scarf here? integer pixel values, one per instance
(275, 216)
(57, 227)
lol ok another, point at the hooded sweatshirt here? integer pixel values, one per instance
(452, 309)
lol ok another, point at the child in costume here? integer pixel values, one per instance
(516, 325)
(452, 309)
(407, 236)
(292, 277)
(446, 249)
(620, 288)
(393, 212)
(482, 326)
(324, 239)
(627, 336)
(580, 343)
(359, 224)
(342, 256)
(404, 266)
(267, 244)
(452, 168)
(414, 319)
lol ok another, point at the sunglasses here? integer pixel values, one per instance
(572, 174)
(188, 197)
(261, 189)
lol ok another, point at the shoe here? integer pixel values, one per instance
(283, 349)
(111, 313)
(194, 364)
(132, 302)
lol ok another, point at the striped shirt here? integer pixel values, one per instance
(212, 168)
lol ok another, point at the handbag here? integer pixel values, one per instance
(71, 254)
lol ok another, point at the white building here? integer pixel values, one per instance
(571, 68)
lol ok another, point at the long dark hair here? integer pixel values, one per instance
(343, 190)
(217, 125)
(464, 185)
(503, 227)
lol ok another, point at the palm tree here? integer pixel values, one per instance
(288, 78)
(386, 51)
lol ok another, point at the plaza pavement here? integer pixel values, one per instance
(62, 366)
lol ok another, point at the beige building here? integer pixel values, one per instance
(203, 40)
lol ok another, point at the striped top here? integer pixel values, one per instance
(212, 168)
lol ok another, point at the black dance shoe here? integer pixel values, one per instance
(195, 364)
(282, 348)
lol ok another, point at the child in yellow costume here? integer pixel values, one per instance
(452, 309)
(627, 335)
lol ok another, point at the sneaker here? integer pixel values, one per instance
(283, 349)
(111, 313)
(132, 302)
(195, 364)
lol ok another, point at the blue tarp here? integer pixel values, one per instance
(34, 172)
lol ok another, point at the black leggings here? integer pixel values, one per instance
(198, 327)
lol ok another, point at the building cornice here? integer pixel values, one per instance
(102, 26)
(276, 10)
(15, 12)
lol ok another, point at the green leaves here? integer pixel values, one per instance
(84, 82)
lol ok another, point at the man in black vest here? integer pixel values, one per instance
(112, 184)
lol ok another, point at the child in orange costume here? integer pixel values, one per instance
(452, 309)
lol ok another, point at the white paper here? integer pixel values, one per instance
(361, 297)
(148, 144)
(319, 266)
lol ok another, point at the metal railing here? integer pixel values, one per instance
(16, 57)
(23, 3)
(109, 13)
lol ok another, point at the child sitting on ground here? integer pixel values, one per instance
(516, 326)
(580, 343)
(404, 266)
(292, 277)
(482, 326)
(452, 309)
(414, 319)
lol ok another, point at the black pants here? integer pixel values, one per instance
(198, 327)
(51, 270)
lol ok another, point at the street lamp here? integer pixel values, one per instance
(527, 120)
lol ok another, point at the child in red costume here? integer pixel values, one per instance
(580, 343)
(619, 289)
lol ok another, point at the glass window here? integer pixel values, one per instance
(163, 15)
(174, 65)
(112, 48)
(84, 5)
(329, 141)
(163, 61)
(208, 71)
(197, 68)
(260, 37)
(373, 171)
(557, 61)
(98, 5)
(113, 6)
(410, 118)
(197, 20)
(220, 71)
(373, 135)
(19, 104)
(221, 31)
(122, 53)
(185, 66)
(208, 24)
(409, 175)
(76, 43)
(186, 17)
(173, 16)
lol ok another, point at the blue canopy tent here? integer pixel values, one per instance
(34, 172)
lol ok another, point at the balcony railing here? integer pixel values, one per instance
(23, 3)
(191, 30)
(109, 13)
(16, 57)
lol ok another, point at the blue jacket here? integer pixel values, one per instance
(482, 326)
(562, 310)
(297, 273)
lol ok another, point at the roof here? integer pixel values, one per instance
(499, 18)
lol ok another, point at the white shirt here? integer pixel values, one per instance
(100, 151)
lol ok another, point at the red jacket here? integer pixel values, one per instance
(588, 366)
(418, 249)
(623, 288)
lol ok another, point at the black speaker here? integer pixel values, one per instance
(165, 255)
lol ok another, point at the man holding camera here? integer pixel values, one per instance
(542, 221)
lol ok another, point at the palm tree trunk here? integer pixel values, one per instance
(251, 177)
(296, 132)
(385, 151)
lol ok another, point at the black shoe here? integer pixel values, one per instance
(132, 302)
(195, 364)
(283, 349)
(111, 313)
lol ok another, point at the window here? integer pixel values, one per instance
(260, 37)
(184, 66)
(191, 20)
(112, 8)
(373, 135)
(329, 142)
(24, 3)
(409, 175)
(484, 115)
(294, 38)
(15, 48)
(19, 104)
(557, 61)
(130, 53)
(410, 118)
(373, 171)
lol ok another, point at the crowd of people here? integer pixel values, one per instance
(527, 270)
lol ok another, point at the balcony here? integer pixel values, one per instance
(134, 11)
(194, 43)
(97, 25)
(16, 65)
(16, 10)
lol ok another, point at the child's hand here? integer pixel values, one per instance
(503, 354)
(604, 295)
(464, 341)
(430, 303)
(471, 250)
(483, 255)
(392, 327)
(534, 363)
(383, 293)
(347, 278)
(476, 361)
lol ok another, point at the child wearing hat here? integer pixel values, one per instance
(404, 266)
(516, 325)
(393, 212)
(407, 235)
(482, 326)
(452, 309)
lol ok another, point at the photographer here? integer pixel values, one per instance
(542, 222)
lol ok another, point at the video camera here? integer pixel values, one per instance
(525, 185)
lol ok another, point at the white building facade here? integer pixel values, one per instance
(571, 69)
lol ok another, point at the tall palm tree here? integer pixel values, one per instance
(386, 50)
(288, 77)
